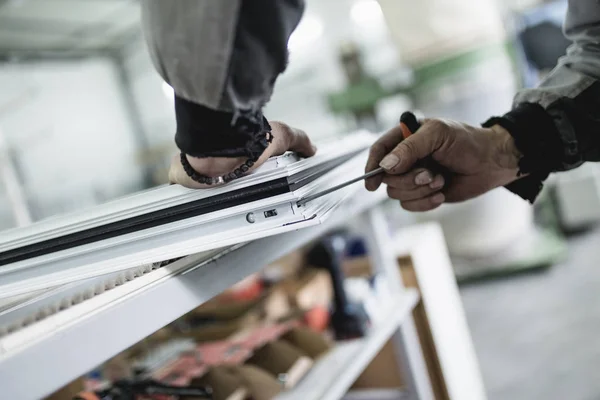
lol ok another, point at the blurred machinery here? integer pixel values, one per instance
(363, 91)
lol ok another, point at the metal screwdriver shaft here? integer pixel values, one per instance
(305, 200)
(409, 124)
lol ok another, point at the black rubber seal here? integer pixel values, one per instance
(147, 221)
(168, 215)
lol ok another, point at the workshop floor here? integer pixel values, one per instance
(537, 336)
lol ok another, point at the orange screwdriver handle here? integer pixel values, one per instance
(410, 125)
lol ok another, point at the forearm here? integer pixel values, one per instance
(556, 125)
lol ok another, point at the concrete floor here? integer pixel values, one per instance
(537, 336)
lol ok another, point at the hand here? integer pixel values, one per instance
(478, 160)
(284, 138)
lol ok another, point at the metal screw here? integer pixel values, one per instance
(250, 218)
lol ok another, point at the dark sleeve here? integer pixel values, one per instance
(222, 59)
(556, 126)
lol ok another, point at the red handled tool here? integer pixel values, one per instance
(409, 125)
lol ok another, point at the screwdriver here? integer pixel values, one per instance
(409, 125)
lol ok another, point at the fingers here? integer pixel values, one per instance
(287, 138)
(416, 194)
(417, 190)
(425, 204)
(373, 182)
(378, 150)
(413, 185)
(410, 180)
(301, 143)
(416, 147)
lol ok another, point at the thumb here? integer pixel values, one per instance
(408, 152)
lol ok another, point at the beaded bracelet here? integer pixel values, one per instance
(208, 180)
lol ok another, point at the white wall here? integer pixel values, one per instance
(67, 126)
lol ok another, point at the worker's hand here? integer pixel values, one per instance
(478, 160)
(284, 138)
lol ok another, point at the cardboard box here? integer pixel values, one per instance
(223, 320)
(218, 310)
(357, 267)
(180, 372)
(264, 334)
(313, 344)
(383, 372)
(226, 330)
(260, 384)
(226, 384)
(283, 361)
(224, 352)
